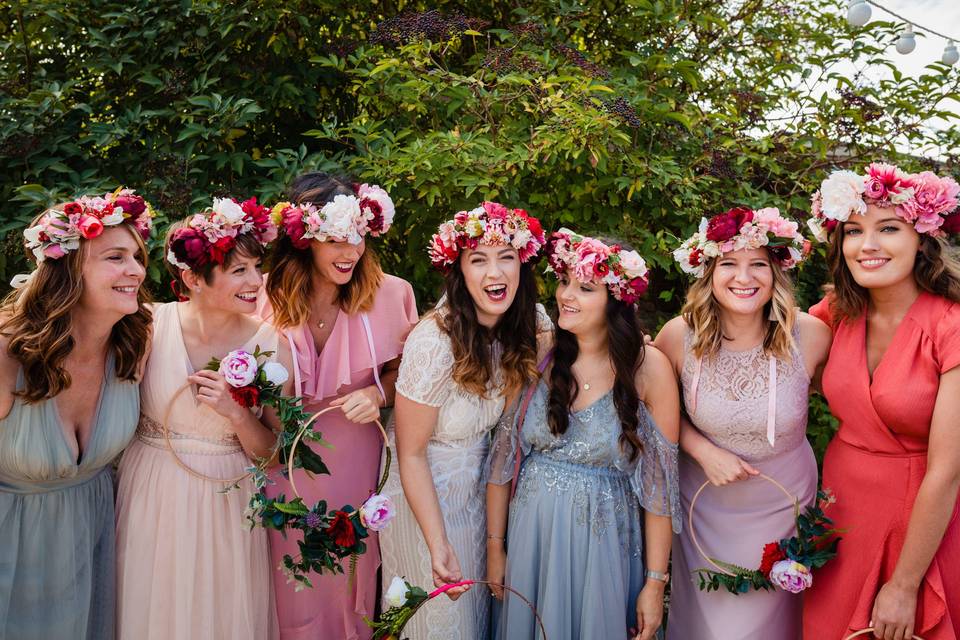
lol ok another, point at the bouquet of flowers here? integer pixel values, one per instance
(786, 564)
(329, 535)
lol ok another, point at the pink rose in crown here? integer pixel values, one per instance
(883, 181)
(791, 576)
(239, 368)
(90, 227)
(377, 512)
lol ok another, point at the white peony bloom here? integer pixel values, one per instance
(817, 229)
(114, 218)
(229, 209)
(633, 265)
(396, 594)
(841, 195)
(275, 373)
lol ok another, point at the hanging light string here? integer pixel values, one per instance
(908, 21)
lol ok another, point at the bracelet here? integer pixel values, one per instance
(659, 577)
(491, 537)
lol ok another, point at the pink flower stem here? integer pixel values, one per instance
(447, 587)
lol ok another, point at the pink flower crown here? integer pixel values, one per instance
(489, 224)
(59, 231)
(344, 219)
(623, 272)
(923, 199)
(210, 235)
(742, 228)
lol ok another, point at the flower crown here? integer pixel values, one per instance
(343, 219)
(59, 231)
(489, 224)
(623, 272)
(742, 228)
(922, 199)
(210, 235)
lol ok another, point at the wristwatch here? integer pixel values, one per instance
(659, 577)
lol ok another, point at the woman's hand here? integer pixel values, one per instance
(722, 467)
(446, 569)
(361, 406)
(496, 566)
(213, 391)
(894, 612)
(649, 610)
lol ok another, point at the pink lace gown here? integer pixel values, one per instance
(730, 406)
(358, 344)
(188, 566)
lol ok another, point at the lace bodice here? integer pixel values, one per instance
(731, 404)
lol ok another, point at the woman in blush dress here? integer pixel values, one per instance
(745, 358)
(893, 382)
(347, 321)
(187, 566)
(459, 363)
(590, 526)
(73, 338)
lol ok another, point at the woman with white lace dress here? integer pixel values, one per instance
(459, 364)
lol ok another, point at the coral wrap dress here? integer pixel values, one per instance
(875, 465)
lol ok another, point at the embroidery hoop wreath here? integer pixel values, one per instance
(329, 535)
(814, 544)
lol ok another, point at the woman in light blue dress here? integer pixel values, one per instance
(597, 496)
(72, 343)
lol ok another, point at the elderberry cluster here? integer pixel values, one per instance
(869, 110)
(577, 59)
(506, 60)
(427, 25)
(623, 110)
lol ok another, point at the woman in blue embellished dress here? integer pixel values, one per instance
(597, 496)
(72, 342)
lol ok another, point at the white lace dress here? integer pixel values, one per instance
(456, 454)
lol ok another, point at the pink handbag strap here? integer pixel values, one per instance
(527, 397)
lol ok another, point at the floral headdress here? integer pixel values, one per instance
(346, 218)
(59, 231)
(923, 199)
(210, 235)
(742, 228)
(623, 272)
(489, 224)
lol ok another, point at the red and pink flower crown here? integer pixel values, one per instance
(742, 228)
(59, 231)
(210, 235)
(925, 200)
(623, 272)
(489, 224)
(346, 218)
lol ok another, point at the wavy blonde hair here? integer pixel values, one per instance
(37, 321)
(701, 311)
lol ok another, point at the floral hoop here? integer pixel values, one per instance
(864, 632)
(786, 564)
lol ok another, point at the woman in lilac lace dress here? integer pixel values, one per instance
(745, 357)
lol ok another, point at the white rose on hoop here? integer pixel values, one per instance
(275, 373)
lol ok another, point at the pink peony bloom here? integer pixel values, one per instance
(239, 368)
(883, 181)
(791, 576)
(377, 512)
(495, 210)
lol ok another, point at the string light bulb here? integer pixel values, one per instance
(950, 54)
(907, 42)
(858, 13)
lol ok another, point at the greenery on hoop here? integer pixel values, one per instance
(814, 545)
(329, 535)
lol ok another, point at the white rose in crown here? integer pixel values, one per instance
(396, 595)
(239, 368)
(275, 373)
(229, 209)
(633, 265)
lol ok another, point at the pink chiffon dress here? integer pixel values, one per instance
(188, 564)
(358, 346)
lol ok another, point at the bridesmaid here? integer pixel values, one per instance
(347, 320)
(73, 336)
(579, 536)
(187, 566)
(745, 357)
(478, 346)
(893, 382)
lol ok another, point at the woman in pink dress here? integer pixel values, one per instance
(347, 321)
(187, 566)
(893, 382)
(744, 357)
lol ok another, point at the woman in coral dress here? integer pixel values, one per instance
(893, 382)
(188, 566)
(347, 321)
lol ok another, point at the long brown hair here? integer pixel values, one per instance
(701, 311)
(38, 322)
(290, 283)
(471, 342)
(936, 271)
